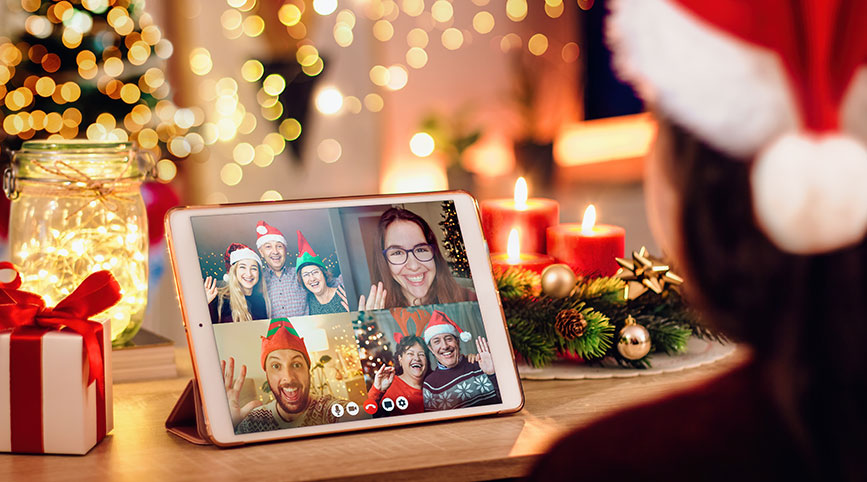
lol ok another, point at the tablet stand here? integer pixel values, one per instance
(186, 419)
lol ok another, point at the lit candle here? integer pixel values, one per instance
(531, 217)
(514, 257)
(588, 248)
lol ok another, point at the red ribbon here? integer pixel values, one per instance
(29, 319)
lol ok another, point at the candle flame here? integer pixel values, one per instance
(589, 220)
(521, 194)
(513, 248)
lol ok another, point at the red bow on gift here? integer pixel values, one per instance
(26, 315)
(95, 294)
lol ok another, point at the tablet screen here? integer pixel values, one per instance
(330, 315)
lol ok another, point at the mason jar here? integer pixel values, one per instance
(77, 209)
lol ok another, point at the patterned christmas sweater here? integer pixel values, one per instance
(264, 418)
(465, 385)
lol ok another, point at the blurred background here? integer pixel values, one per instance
(248, 100)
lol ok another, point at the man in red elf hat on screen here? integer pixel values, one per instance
(287, 368)
(457, 383)
(286, 295)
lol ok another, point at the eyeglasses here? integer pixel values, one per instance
(422, 252)
(312, 272)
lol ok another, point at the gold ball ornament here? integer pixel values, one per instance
(634, 340)
(558, 280)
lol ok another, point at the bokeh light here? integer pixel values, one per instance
(397, 77)
(324, 7)
(329, 101)
(231, 174)
(516, 10)
(538, 44)
(417, 38)
(271, 195)
(452, 38)
(329, 151)
(416, 57)
(483, 22)
(383, 30)
(422, 144)
(442, 11)
(200, 61)
(374, 102)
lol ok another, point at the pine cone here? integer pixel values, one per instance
(570, 324)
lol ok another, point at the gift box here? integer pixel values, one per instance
(46, 403)
(55, 368)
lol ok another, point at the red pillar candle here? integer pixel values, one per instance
(588, 248)
(514, 257)
(531, 217)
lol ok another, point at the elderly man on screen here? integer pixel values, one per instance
(287, 368)
(285, 294)
(457, 382)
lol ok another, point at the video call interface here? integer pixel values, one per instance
(331, 315)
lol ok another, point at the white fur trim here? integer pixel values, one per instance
(854, 106)
(732, 94)
(439, 329)
(261, 230)
(270, 237)
(809, 194)
(466, 336)
(243, 253)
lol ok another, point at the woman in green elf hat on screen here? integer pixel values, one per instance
(322, 294)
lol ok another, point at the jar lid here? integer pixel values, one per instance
(66, 145)
(75, 159)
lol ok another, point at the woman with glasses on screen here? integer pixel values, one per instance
(324, 294)
(408, 267)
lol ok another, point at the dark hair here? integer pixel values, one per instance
(805, 316)
(445, 289)
(404, 345)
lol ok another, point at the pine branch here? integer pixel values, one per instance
(532, 345)
(668, 336)
(595, 341)
(601, 290)
(516, 282)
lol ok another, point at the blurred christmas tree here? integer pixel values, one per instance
(454, 241)
(92, 68)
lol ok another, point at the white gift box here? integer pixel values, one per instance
(68, 402)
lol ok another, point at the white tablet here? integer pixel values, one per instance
(332, 315)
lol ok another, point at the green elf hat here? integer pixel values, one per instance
(282, 335)
(306, 254)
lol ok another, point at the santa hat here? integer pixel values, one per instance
(282, 335)
(780, 83)
(266, 233)
(440, 323)
(236, 252)
(306, 254)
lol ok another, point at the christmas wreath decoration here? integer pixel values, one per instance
(627, 317)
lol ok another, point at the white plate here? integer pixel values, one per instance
(698, 352)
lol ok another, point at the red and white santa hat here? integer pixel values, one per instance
(779, 83)
(266, 233)
(236, 252)
(440, 323)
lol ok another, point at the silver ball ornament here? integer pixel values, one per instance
(634, 341)
(558, 280)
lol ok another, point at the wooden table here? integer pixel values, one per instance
(139, 448)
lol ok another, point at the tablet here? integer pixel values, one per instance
(333, 315)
